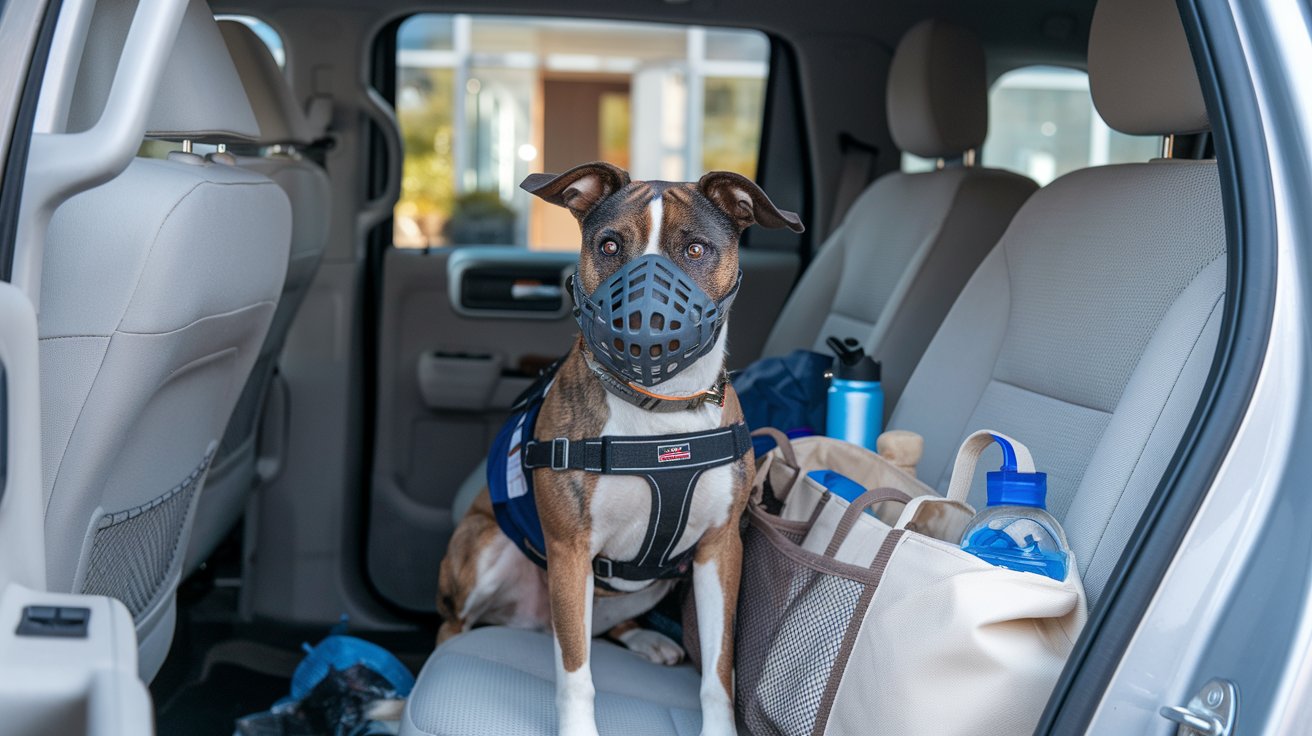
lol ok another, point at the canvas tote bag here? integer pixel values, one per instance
(893, 629)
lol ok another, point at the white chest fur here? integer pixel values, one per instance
(621, 504)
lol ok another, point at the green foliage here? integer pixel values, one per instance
(428, 180)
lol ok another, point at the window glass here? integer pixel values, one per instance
(266, 33)
(483, 101)
(1042, 124)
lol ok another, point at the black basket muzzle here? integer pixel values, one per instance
(650, 320)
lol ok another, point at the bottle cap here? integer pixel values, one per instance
(1009, 487)
(851, 362)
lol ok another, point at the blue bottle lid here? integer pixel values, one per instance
(1009, 487)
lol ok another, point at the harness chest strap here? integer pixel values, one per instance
(671, 465)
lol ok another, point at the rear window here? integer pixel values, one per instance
(1042, 123)
(483, 101)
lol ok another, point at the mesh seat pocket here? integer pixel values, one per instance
(134, 550)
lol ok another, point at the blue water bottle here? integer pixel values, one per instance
(1015, 530)
(856, 399)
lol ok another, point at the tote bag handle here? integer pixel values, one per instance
(858, 507)
(963, 471)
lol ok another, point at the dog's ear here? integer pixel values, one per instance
(579, 189)
(743, 201)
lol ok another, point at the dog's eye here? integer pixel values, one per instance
(610, 248)
(695, 250)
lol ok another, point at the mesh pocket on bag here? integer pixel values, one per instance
(792, 623)
(133, 551)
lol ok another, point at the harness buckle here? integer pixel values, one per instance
(560, 453)
(603, 568)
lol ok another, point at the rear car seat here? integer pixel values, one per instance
(888, 274)
(284, 128)
(907, 245)
(157, 290)
(1087, 333)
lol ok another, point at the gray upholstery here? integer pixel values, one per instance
(938, 93)
(280, 117)
(234, 474)
(1141, 75)
(157, 290)
(888, 275)
(200, 96)
(1074, 337)
(502, 681)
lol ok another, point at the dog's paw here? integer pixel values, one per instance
(652, 646)
(386, 710)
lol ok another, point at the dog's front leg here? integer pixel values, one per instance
(569, 577)
(715, 587)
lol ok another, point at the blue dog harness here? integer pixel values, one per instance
(671, 465)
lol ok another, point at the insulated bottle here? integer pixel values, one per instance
(1015, 530)
(855, 399)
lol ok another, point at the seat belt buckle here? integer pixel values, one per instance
(603, 568)
(560, 453)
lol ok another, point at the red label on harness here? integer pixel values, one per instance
(670, 453)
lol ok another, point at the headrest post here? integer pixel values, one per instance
(186, 146)
(968, 158)
(1168, 145)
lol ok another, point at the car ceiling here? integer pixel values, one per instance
(1015, 33)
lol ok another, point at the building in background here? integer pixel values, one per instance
(484, 101)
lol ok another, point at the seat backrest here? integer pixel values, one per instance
(907, 245)
(1088, 332)
(158, 288)
(284, 129)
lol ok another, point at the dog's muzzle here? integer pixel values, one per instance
(650, 320)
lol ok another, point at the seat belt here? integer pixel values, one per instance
(854, 175)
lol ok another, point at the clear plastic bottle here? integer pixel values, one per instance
(1015, 530)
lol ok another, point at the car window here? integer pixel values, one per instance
(483, 101)
(1042, 123)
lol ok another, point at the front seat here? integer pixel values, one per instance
(157, 291)
(907, 245)
(1087, 333)
(284, 129)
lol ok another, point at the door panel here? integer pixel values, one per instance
(448, 373)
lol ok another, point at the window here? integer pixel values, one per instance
(1042, 123)
(266, 33)
(483, 101)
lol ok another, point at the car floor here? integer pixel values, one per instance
(220, 669)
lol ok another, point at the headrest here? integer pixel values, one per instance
(1141, 74)
(938, 93)
(280, 117)
(200, 96)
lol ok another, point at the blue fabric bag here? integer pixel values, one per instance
(787, 393)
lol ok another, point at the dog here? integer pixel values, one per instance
(639, 369)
